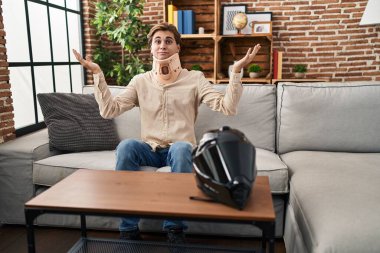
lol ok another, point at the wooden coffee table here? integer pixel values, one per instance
(147, 194)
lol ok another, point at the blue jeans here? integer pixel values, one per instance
(131, 154)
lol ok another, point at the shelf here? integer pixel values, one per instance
(198, 36)
(215, 52)
(238, 36)
(247, 80)
(300, 80)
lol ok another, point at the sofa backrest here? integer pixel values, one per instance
(127, 124)
(256, 116)
(341, 117)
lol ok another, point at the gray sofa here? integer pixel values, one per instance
(321, 139)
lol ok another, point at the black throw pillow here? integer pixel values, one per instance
(74, 123)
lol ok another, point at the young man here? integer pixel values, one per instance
(168, 97)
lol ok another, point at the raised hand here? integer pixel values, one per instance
(247, 59)
(87, 63)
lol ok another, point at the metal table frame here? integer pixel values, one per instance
(267, 227)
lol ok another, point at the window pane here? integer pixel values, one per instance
(59, 35)
(62, 79)
(59, 2)
(22, 95)
(15, 27)
(73, 5)
(44, 84)
(77, 78)
(74, 33)
(39, 31)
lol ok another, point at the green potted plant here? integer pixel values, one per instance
(119, 21)
(196, 67)
(299, 70)
(254, 70)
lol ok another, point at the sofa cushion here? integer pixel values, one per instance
(256, 116)
(334, 199)
(51, 170)
(74, 123)
(338, 117)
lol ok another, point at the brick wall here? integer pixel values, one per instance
(6, 109)
(323, 34)
(90, 40)
(326, 36)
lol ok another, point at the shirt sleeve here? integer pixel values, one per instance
(226, 103)
(109, 106)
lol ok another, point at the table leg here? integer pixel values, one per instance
(268, 230)
(30, 215)
(83, 225)
(271, 238)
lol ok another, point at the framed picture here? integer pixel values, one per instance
(229, 11)
(258, 17)
(261, 28)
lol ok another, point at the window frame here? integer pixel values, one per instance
(31, 64)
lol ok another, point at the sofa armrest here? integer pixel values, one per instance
(16, 170)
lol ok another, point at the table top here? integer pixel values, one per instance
(152, 194)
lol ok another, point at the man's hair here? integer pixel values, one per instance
(164, 27)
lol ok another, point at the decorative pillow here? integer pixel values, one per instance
(74, 123)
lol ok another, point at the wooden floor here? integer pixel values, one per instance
(56, 240)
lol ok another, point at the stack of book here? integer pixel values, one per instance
(184, 20)
(277, 64)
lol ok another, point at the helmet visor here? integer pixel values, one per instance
(210, 163)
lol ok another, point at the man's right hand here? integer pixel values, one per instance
(87, 63)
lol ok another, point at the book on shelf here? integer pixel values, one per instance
(188, 22)
(175, 19)
(171, 9)
(277, 64)
(180, 21)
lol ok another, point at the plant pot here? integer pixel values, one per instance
(299, 75)
(254, 74)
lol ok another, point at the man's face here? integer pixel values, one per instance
(164, 45)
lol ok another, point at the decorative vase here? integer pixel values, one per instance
(253, 74)
(299, 75)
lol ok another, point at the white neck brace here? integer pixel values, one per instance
(167, 71)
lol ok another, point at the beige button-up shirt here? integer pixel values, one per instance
(168, 112)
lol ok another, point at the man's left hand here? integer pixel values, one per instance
(251, 53)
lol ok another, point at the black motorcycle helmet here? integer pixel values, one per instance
(225, 167)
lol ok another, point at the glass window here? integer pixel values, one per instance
(39, 32)
(77, 78)
(16, 32)
(74, 5)
(59, 35)
(60, 2)
(75, 38)
(62, 79)
(41, 63)
(23, 104)
(44, 84)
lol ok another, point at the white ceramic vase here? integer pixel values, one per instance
(299, 75)
(253, 74)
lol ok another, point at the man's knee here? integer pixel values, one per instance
(127, 153)
(128, 145)
(181, 148)
(179, 158)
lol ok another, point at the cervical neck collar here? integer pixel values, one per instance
(167, 71)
